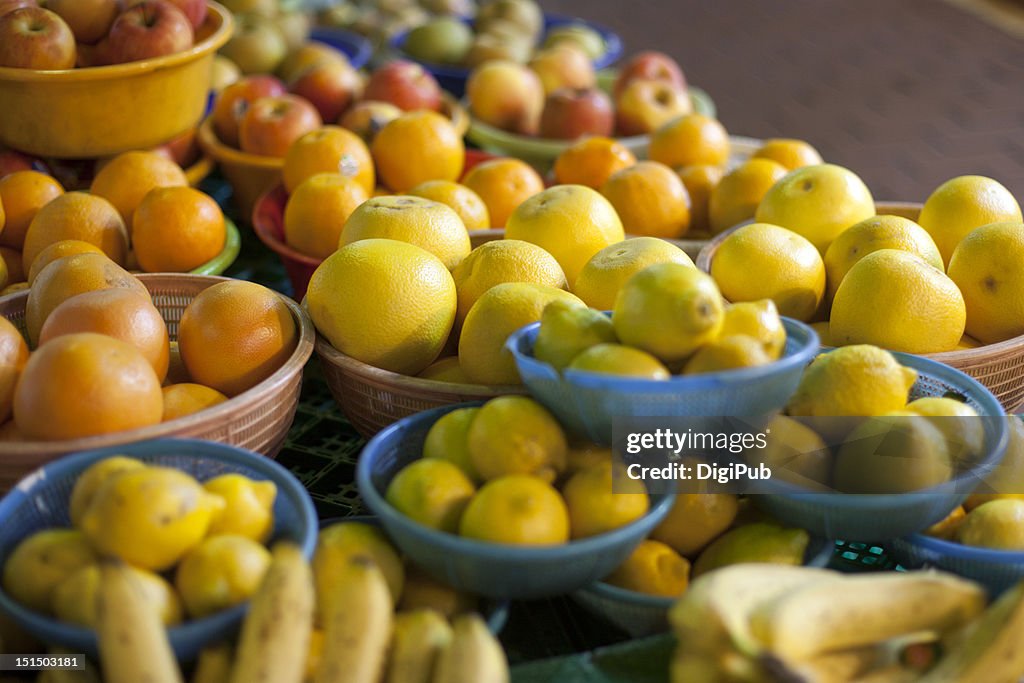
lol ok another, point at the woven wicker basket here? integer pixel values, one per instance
(1000, 367)
(257, 419)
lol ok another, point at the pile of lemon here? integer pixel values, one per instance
(195, 548)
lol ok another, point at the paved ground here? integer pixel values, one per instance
(907, 93)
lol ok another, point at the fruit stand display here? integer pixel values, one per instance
(531, 274)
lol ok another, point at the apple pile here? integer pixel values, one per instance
(556, 96)
(266, 32)
(64, 34)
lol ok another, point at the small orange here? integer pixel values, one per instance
(461, 199)
(737, 196)
(177, 229)
(234, 335)
(120, 313)
(330, 149)
(86, 384)
(317, 210)
(690, 139)
(13, 356)
(503, 184)
(792, 154)
(650, 199)
(592, 161)
(416, 147)
(700, 181)
(128, 177)
(15, 268)
(76, 216)
(59, 250)
(23, 193)
(187, 399)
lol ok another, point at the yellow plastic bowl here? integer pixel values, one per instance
(105, 110)
(250, 175)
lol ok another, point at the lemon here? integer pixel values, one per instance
(958, 206)
(760, 261)
(448, 439)
(502, 310)
(446, 370)
(220, 572)
(385, 303)
(795, 453)
(817, 202)
(959, 423)
(430, 225)
(74, 599)
(757, 319)
(516, 435)
(871, 235)
(517, 510)
(654, 569)
(1007, 479)
(39, 563)
(339, 543)
(604, 274)
(695, 520)
(423, 591)
(894, 299)
(735, 199)
(998, 524)
(150, 517)
(668, 310)
(249, 506)
(856, 380)
(461, 199)
(986, 266)
(760, 542)
(500, 261)
(571, 222)
(602, 498)
(616, 359)
(727, 353)
(792, 154)
(584, 454)
(431, 492)
(567, 329)
(90, 480)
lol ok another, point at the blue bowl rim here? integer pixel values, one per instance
(465, 546)
(76, 462)
(960, 551)
(357, 48)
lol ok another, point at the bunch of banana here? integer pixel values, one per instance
(759, 623)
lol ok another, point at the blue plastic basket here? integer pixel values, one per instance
(357, 48)
(40, 501)
(586, 402)
(997, 570)
(874, 518)
(488, 569)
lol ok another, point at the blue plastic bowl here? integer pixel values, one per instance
(997, 570)
(874, 518)
(488, 569)
(357, 48)
(40, 501)
(453, 78)
(586, 402)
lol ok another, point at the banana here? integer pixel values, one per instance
(991, 650)
(472, 656)
(357, 625)
(416, 641)
(132, 639)
(862, 610)
(214, 664)
(275, 635)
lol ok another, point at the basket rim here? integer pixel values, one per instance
(222, 411)
(960, 551)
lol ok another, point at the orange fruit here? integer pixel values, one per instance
(792, 154)
(429, 225)
(13, 356)
(690, 139)
(177, 229)
(503, 184)
(60, 250)
(86, 384)
(459, 198)
(187, 399)
(234, 335)
(416, 147)
(592, 161)
(22, 194)
(119, 313)
(128, 177)
(317, 210)
(76, 216)
(700, 181)
(15, 268)
(650, 199)
(330, 149)
(71, 275)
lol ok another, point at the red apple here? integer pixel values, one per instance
(12, 161)
(649, 66)
(506, 95)
(564, 66)
(36, 38)
(569, 114)
(257, 45)
(153, 28)
(272, 124)
(331, 87)
(195, 10)
(9, 5)
(89, 20)
(366, 118)
(645, 106)
(404, 84)
(236, 98)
